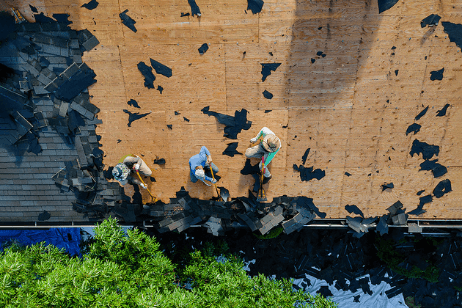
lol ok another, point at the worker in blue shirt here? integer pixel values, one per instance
(198, 163)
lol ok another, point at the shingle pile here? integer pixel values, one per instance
(45, 110)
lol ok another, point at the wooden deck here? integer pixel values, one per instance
(351, 107)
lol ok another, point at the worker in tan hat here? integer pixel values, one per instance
(268, 146)
(122, 171)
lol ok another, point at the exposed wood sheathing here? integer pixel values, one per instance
(349, 107)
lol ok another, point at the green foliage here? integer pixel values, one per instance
(388, 254)
(119, 270)
(272, 234)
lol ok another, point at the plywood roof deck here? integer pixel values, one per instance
(349, 107)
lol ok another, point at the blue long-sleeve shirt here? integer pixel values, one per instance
(199, 160)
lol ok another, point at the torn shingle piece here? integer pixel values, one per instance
(267, 68)
(91, 43)
(170, 126)
(195, 10)
(231, 149)
(427, 150)
(305, 156)
(436, 168)
(161, 68)
(382, 226)
(203, 49)
(160, 89)
(437, 75)
(442, 188)
(430, 20)
(307, 174)
(133, 103)
(421, 114)
(354, 209)
(453, 31)
(267, 95)
(255, 6)
(185, 119)
(442, 111)
(159, 161)
(134, 116)
(62, 19)
(413, 128)
(79, 81)
(385, 5)
(233, 125)
(128, 21)
(149, 77)
(393, 209)
(387, 186)
(93, 4)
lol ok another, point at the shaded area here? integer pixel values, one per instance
(307, 174)
(233, 125)
(134, 116)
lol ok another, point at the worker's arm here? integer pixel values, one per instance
(263, 132)
(132, 160)
(206, 152)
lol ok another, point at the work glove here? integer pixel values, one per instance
(209, 160)
(143, 185)
(213, 181)
(253, 140)
(136, 167)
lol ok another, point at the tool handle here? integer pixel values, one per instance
(139, 176)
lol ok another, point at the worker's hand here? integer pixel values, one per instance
(209, 160)
(253, 140)
(143, 185)
(136, 167)
(213, 181)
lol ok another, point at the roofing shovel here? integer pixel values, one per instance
(261, 196)
(154, 199)
(220, 198)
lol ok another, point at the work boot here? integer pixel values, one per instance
(267, 179)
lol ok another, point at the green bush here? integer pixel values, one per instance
(131, 271)
(272, 234)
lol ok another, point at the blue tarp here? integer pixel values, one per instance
(68, 238)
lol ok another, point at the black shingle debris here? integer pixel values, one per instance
(267, 95)
(307, 203)
(231, 149)
(354, 209)
(41, 18)
(44, 216)
(454, 32)
(396, 72)
(395, 208)
(387, 186)
(133, 103)
(268, 111)
(321, 54)
(160, 89)
(430, 20)
(347, 174)
(159, 161)
(307, 174)
(421, 114)
(442, 188)
(161, 68)
(356, 299)
(93, 4)
(267, 68)
(170, 126)
(436, 168)
(134, 116)
(305, 156)
(149, 77)
(385, 5)
(442, 111)
(195, 10)
(62, 18)
(184, 14)
(128, 21)
(413, 128)
(437, 75)
(422, 201)
(233, 125)
(33, 9)
(427, 150)
(382, 226)
(420, 192)
(313, 60)
(203, 49)
(255, 6)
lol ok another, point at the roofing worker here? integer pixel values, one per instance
(122, 171)
(198, 163)
(268, 147)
